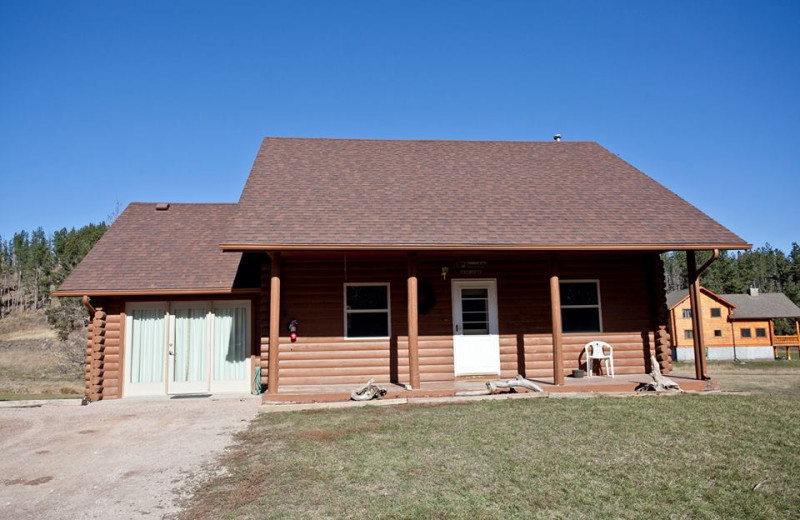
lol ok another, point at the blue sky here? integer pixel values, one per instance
(167, 101)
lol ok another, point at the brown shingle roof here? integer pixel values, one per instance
(159, 251)
(333, 193)
(763, 305)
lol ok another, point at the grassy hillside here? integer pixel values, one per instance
(34, 363)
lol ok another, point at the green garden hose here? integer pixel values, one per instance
(255, 387)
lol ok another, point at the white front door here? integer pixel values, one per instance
(188, 348)
(476, 343)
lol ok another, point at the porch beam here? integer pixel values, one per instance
(555, 308)
(698, 338)
(274, 322)
(413, 322)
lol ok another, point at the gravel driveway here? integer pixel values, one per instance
(112, 459)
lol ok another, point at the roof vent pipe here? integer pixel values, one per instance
(752, 291)
(557, 137)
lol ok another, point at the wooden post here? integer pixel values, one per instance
(555, 309)
(797, 333)
(697, 318)
(413, 323)
(772, 335)
(274, 322)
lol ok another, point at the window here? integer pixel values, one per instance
(687, 313)
(366, 310)
(717, 333)
(688, 334)
(716, 312)
(747, 333)
(580, 306)
(475, 311)
(761, 333)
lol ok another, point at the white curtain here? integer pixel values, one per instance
(230, 343)
(147, 350)
(190, 344)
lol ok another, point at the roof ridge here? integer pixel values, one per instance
(359, 139)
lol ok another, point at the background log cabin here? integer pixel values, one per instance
(735, 326)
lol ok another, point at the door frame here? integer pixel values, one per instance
(165, 387)
(492, 340)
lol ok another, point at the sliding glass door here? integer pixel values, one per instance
(187, 347)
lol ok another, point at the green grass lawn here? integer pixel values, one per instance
(689, 456)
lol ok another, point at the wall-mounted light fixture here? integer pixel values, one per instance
(445, 270)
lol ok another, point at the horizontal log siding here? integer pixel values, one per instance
(104, 351)
(312, 293)
(112, 377)
(630, 352)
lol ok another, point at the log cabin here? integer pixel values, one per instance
(411, 262)
(735, 326)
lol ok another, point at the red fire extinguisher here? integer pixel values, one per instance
(293, 330)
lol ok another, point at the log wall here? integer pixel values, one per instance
(312, 292)
(104, 351)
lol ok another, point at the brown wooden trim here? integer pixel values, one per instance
(157, 292)
(274, 322)
(413, 322)
(555, 308)
(488, 247)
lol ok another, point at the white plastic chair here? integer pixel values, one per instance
(596, 350)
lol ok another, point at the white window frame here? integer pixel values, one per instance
(387, 310)
(598, 306)
(686, 314)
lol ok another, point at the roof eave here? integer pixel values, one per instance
(151, 292)
(241, 247)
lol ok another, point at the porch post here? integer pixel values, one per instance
(797, 333)
(413, 322)
(697, 317)
(772, 336)
(555, 308)
(274, 321)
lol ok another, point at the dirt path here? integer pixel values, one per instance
(114, 459)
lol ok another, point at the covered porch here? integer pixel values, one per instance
(423, 299)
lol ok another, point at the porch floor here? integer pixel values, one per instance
(595, 384)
